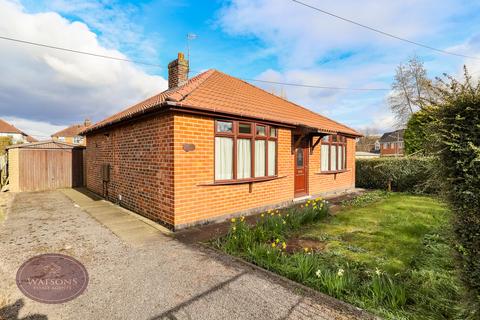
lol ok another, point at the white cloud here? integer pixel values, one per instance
(38, 129)
(59, 88)
(302, 35)
(313, 48)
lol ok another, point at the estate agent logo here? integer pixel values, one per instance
(52, 278)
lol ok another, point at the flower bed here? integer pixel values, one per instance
(400, 267)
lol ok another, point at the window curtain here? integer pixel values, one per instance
(272, 161)
(259, 158)
(333, 157)
(223, 158)
(324, 157)
(244, 159)
(340, 158)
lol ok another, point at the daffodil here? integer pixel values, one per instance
(262, 215)
(277, 240)
(378, 272)
(284, 222)
(242, 218)
(318, 273)
(234, 228)
(233, 220)
(340, 272)
(273, 245)
(284, 245)
(305, 249)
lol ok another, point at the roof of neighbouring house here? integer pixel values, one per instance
(393, 136)
(217, 92)
(48, 144)
(6, 127)
(71, 131)
(31, 139)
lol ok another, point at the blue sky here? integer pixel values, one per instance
(256, 39)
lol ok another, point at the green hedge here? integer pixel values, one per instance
(407, 174)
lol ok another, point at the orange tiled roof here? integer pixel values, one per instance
(218, 92)
(6, 127)
(70, 131)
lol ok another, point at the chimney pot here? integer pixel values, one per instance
(87, 123)
(178, 71)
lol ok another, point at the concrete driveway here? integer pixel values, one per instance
(154, 279)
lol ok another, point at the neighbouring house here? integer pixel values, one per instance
(17, 136)
(391, 143)
(214, 147)
(72, 134)
(368, 143)
(44, 165)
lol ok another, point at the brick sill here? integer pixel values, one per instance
(333, 172)
(224, 183)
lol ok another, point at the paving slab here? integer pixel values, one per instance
(127, 225)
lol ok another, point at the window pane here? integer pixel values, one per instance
(333, 157)
(245, 128)
(340, 157)
(299, 158)
(324, 157)
(223, 158)
(223, 126)
(259, 158)
(325, 138)
(272, 157)
(273, 132)
(244, 159)
(344, 157)
(260, 130)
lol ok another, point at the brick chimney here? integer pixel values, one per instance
(177, 71)
(87, 122)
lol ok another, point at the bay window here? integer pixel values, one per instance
(244, 150)
(333, 153)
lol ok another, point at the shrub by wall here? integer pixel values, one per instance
(406, 174)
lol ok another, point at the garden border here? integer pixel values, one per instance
(336, 304)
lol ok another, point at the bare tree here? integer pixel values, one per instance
(410, 89)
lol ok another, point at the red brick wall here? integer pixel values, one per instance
(160, 180)
(321, 183)
(196, 199)
(393, 149)
(141, 159)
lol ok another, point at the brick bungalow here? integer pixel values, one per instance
(213, 147)
(391, 144)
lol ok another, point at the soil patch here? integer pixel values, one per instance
(297, 245)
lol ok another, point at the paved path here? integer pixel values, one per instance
(128, 226)
(155, 277)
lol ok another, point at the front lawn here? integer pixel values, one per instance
(387, 253)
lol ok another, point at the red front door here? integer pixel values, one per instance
(301, 172)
